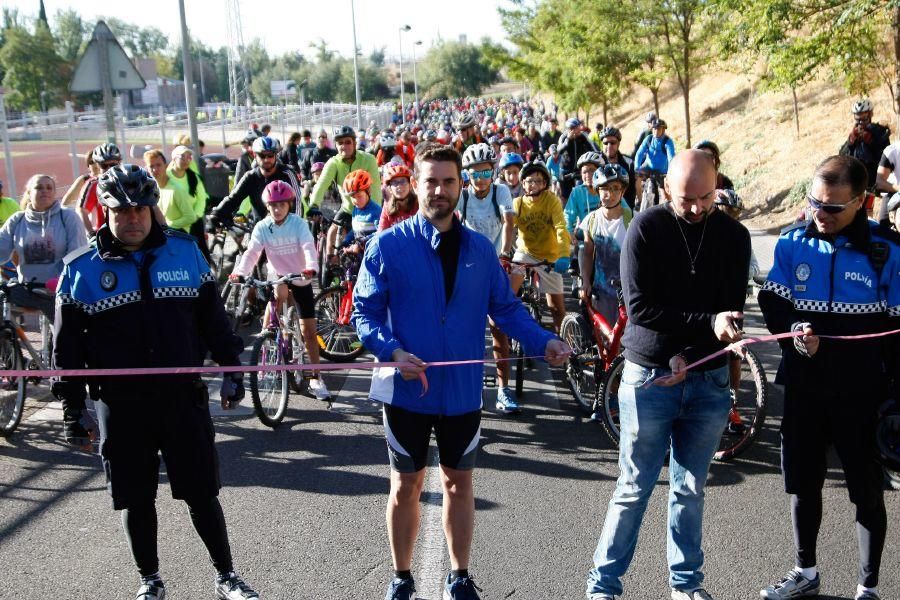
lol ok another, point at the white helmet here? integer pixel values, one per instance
(476, 154)
(861, 106)
(387, 140)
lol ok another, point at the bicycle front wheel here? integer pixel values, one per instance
(269, 389)
(296, 379)
(12, 389)
(580, 366)
(749, 394)
(217, 254)
(608, 399)
(337, 342)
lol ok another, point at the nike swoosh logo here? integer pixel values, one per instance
(470, 265)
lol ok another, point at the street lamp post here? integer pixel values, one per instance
(356, 68)
(416, 76)
(402, 106)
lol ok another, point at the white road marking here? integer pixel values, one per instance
(430, 575)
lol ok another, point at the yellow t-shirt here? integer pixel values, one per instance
(542, 226)
(8, 207)
(177, 207)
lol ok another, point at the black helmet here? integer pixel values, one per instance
(611, 131)
(106, 153)
(887, 437)
(127, 185)
(608, 173)
(708, 145)
(345, 131)
(536, 166)
(729, 198)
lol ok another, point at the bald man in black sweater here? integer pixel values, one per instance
(684, 275)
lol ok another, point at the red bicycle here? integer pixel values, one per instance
(337, 337)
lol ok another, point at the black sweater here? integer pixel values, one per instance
(669, 310)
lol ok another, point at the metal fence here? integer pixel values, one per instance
(217, 124)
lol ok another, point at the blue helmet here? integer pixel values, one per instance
(510, 158)
(266, 144)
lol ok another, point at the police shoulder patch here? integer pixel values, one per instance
(68, 258)
(175, 233)
(794, 226)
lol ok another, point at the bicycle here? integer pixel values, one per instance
(12, 340)
(279, 343)
(238, 230)
(242, 303)
(337, 337)
(528, 293)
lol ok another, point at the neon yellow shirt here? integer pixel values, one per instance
(337, 170)
(8, 207)
(542, 226)
(176, 206)
(198, 199)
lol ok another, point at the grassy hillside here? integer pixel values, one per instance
(761, 152)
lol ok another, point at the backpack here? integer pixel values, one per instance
(493, 201)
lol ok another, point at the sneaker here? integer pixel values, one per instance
(401, 589)
(151, 590)
(868, 595)
(506, 401)
(232, 587)
(461, 588)
(600, 597)
(697, 594)
(792, 585)
(317, 387)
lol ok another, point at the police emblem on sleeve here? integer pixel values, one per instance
(803, 271)
(108, 280)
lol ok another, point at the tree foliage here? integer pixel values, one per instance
(455, 69)
(32, 67)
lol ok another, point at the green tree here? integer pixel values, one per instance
(139, 41)
(31, 67)
(71, 34)
(377, 57)
(455, 69)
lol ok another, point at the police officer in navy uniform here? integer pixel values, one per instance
(839, 274)
(142, 296)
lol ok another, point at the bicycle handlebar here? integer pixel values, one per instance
(265, 283)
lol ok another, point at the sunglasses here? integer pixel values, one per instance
(265, 155)
(398, 181)
(109, 165)
(831, 209)
(484, 174)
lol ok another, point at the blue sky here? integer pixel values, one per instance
(289, 25)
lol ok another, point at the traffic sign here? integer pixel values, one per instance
(89, 73)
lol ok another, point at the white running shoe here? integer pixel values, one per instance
(317, 387)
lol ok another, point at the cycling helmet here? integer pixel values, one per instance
(887, 437)
(573, 122)
(611, 131)
(536, 166)
(708, 145)
(394, 171)
(430, 135)
(316, 167)
(894, 202)
(345, 131)
(478, 153)
(861, 106)
(660, 123)
(729, 198)
(106, 153)
(651, 116)
(127, 185)
(589, 158)
(277, 191)
(494, 139)
(510, 158)
(609, 173)
(466, 121)
(387, 140)
(443, 136)
(552, 149)
(266, 144)
(358, 180)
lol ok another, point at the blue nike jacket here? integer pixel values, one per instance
(399, 302)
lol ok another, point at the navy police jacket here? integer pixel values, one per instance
(848, 284)
(155, 307)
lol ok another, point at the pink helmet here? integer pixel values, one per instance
(277, 191)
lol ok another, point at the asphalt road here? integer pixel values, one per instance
(305, 508)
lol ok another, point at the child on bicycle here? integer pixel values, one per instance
(604, 234)
(363, 221)
(290, 248)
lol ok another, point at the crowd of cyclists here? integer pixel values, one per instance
(554, 200)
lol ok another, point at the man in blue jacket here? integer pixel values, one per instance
(425, 290)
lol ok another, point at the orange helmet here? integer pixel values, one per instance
(357, 181)
(397, 170)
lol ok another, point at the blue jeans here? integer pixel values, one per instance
(692, 415)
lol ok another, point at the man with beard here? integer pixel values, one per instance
(425, 290)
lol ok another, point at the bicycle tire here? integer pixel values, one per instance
(269, 390)
(322, 276)
(337, 342)
(522, 363)
(12, 389)
(217, 256)
(297, 379)
(749, 406)
(579, 376)
(608, 399)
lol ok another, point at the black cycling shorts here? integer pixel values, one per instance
(135, 430)
(408, 434)
(303, 296)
